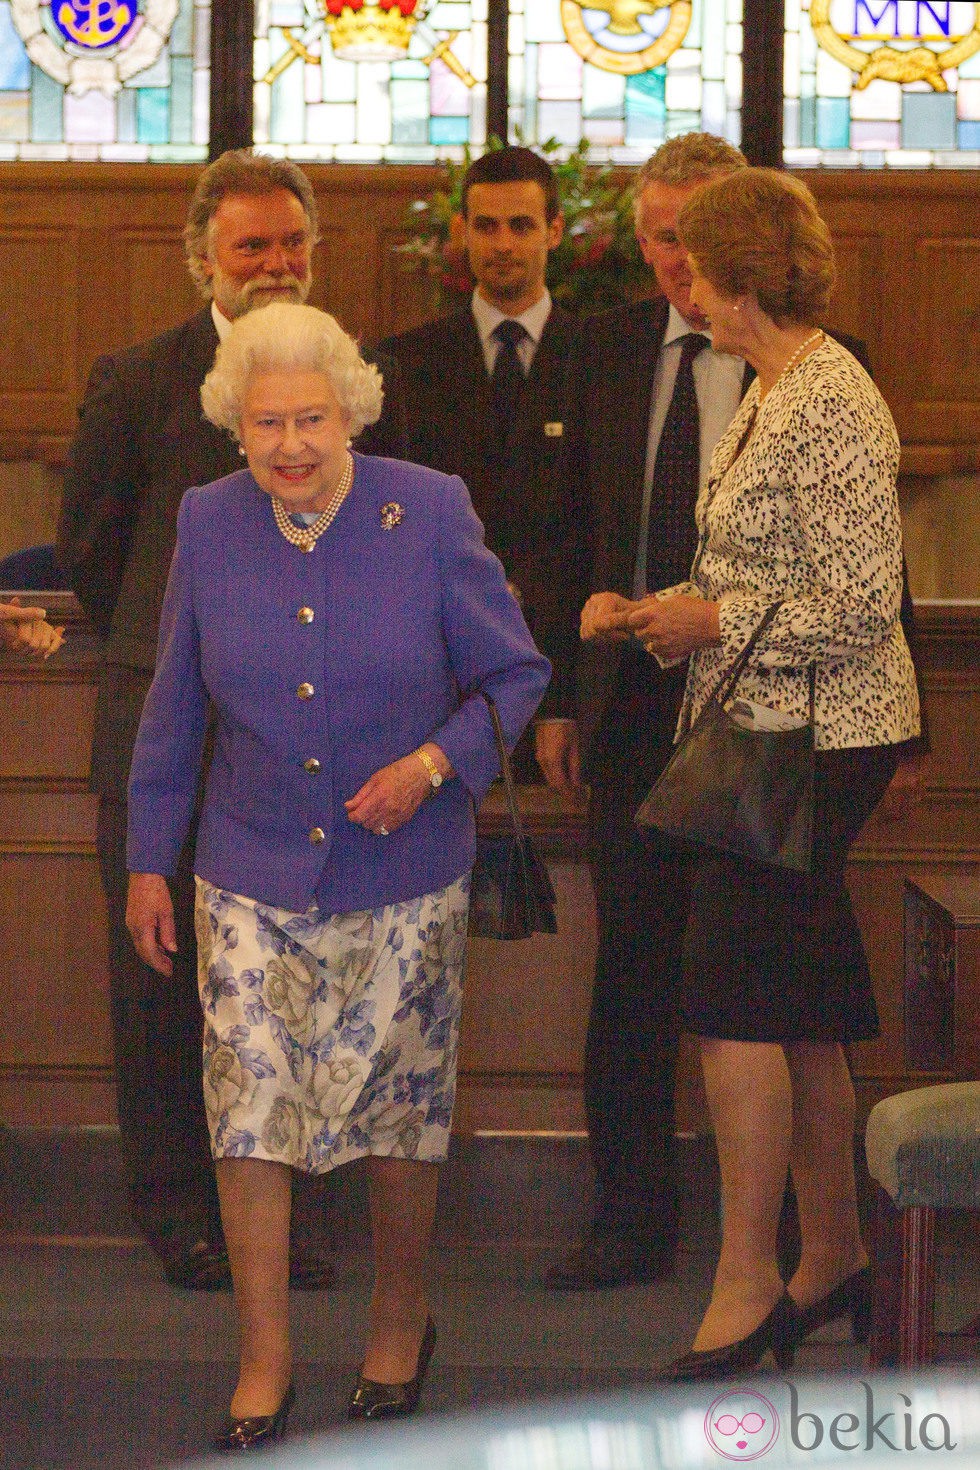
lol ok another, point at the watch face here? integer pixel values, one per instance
(436, 778)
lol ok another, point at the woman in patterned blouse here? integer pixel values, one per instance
(800, 509)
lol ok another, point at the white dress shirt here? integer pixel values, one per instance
(534, 321)
(718, 386)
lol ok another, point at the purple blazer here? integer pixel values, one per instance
(407, 624)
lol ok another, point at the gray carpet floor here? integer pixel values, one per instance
(103, 1365)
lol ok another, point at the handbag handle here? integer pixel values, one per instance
(505, 767)
(731, 676)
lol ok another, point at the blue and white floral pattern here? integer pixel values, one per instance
(330, 1037)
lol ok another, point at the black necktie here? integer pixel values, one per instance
(507, 378)
(672, 534)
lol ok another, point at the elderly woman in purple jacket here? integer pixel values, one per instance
(342, 617)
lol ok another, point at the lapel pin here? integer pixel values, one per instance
(392, 515)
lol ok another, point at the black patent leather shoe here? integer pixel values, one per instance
(776, 1333)
(243, 1436)
(372, 1400)
(849, 1298)
(601, 1263)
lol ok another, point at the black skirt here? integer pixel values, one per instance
(772, 955)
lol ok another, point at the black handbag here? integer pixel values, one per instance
(511, 896)
(741, 791)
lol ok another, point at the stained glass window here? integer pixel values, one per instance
(104, 79)
(400, 80)
(626, 75)
(882, 83)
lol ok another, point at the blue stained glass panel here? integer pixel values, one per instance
(662, 61)
(862, 118)
(15, 68)
(152, 115)
(449, 131)
(929, 120)
(833, 122)
(968, 135)
(95, 114)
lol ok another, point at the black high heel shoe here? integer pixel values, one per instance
(257, 1432)
(372, 1400)
(776, 1333)
(849, 1298)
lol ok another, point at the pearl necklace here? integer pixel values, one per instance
(306, 537)
(792, 361)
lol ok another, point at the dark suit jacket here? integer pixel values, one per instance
(437, 412)
(618, 352)
(142, 441)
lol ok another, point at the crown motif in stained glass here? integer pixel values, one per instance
(366, 32)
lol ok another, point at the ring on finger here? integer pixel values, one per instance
(383, 832)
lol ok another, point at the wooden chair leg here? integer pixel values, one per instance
(916, 1326)
(886, 1285)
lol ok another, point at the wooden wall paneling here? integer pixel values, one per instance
(39, 270)
(943, 317)
(115, 273)
(524, 1016)
(55, 1049)
(857, 305)
(923, 228)
(46, 727)
(158, 289)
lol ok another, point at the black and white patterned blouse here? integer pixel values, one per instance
(808, 513)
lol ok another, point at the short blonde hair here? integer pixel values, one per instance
(759, 230)
(286, 337)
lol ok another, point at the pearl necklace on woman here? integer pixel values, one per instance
(306, 537)
(792, 361)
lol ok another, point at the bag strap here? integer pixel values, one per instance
(731, 676)
(733, 673)
(505, 768)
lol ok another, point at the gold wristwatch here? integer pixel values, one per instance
(435, 777)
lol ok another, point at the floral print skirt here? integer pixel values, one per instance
(327, 1037)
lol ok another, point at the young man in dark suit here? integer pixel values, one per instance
(142, 441)
(484, 394)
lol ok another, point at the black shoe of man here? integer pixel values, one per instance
(602, 1262)
(200, 1266)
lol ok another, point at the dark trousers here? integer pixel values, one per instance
(640, 884)
(156, 1030)
(157, 1026)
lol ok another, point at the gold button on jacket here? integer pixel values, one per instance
(312, 765)
(305, 615)
(305, 691)
(317, 834)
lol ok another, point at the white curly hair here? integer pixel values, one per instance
(286, 337)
